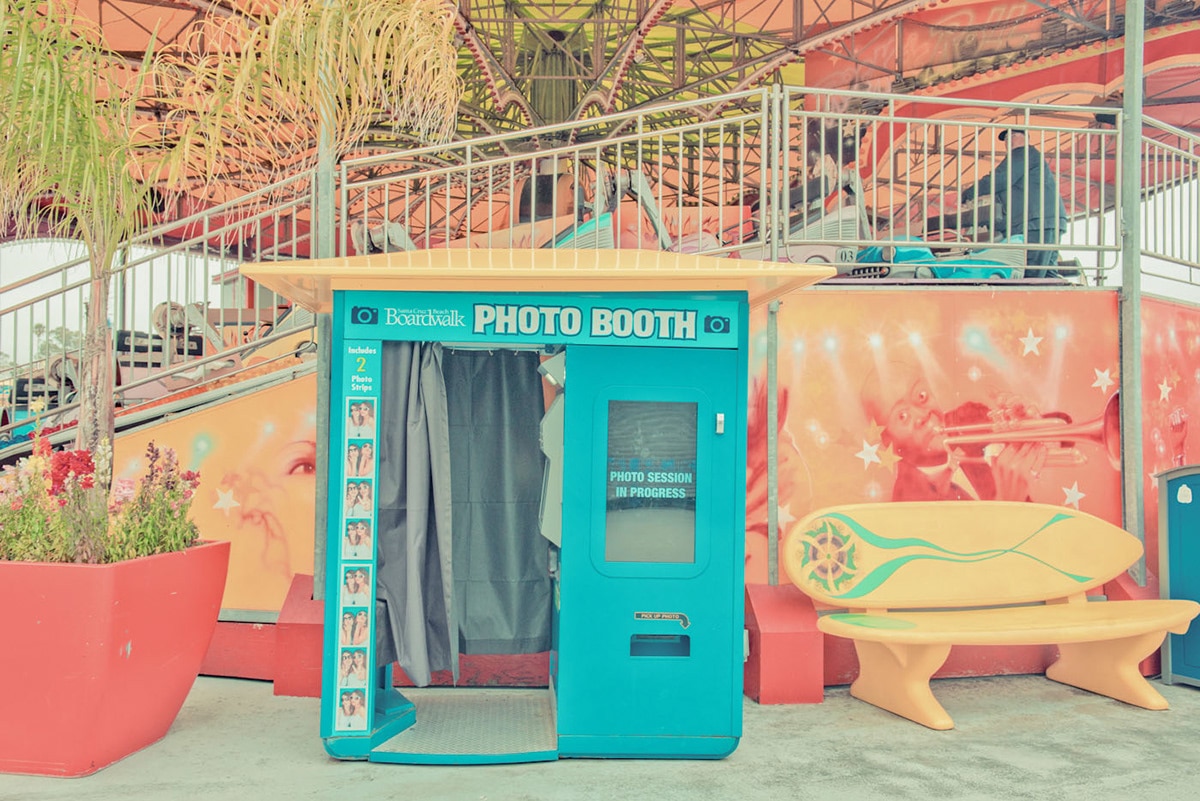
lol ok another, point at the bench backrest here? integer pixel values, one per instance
(939, 554)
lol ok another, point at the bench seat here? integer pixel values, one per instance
(914, 579)
(1021, 625)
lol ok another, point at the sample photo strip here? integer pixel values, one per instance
(360, 418)
(356, 586)
(352, 711)
(360, 498)
(360, 458)
(356, 627)
(352, 667)
(357, 542)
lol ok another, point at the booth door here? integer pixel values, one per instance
(650, 626)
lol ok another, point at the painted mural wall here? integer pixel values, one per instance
(256, 456)
(1171, 398)
(866, 380)
(876, 385)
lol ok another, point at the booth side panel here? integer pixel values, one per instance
(351, 683)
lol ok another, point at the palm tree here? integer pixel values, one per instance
(90, 146)
(64, 162)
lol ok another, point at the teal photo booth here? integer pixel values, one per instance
(636, 455)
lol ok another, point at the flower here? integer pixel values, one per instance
(55, 507)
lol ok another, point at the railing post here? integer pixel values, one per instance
(770, 205)
(1133, 481)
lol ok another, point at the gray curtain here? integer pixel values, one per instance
(415, 588)
(501, 582)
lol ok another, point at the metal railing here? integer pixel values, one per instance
(176, 306)
(917, 158)
(1170, 203)
(872, 183)
(648, 178)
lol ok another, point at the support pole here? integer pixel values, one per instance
(773, 443)
(1130, 305)
(324, 217)
(777, 121)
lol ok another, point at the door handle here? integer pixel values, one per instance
(720, 422)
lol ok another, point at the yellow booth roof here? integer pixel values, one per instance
(311, 283)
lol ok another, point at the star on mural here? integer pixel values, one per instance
(888, 458)
(868, 454)
(874, 431)
(1164, 391)
(1074, 496)
(1104, 379)
(1031, 344)
(225, 501)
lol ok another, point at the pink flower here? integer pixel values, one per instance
(124, 489)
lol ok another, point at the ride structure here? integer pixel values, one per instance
(726, 174)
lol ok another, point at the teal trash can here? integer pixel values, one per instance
(1179, 565)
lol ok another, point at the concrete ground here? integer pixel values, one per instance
(1017, 737)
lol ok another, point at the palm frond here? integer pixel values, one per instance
(239, 103)
(249, 96)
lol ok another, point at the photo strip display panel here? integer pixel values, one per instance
(356, 480)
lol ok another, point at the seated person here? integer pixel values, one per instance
(1027, 201)
(544, 197)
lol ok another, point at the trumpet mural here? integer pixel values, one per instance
(1056, 431)
(900, 396)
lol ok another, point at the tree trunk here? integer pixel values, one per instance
(96, 394)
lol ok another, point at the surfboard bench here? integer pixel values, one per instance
(915, 579)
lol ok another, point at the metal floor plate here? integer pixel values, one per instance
(462, 726)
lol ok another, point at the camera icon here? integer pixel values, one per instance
(715, 324)
(364, 315)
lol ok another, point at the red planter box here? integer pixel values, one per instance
(98, 659)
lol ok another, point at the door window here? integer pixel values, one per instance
(650, 514)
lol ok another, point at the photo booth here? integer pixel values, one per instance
(535, 451)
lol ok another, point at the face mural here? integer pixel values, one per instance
(940, 395)
(256, 456)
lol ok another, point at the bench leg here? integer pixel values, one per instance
(1110, 667)
(896, 678)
